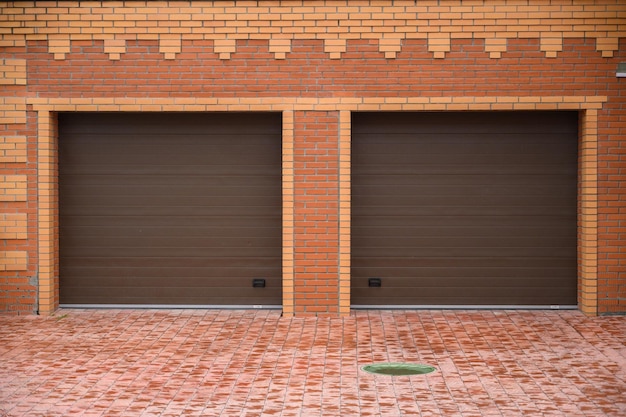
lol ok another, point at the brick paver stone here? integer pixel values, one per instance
(96, 363)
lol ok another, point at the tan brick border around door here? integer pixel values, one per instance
(47, 170)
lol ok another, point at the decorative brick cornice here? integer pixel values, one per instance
(333, 22)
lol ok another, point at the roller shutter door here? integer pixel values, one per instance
(170, 208)
(463, 209)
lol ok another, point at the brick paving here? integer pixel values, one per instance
(256, 363)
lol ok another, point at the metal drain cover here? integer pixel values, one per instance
(397, 369)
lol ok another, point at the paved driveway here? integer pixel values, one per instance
(256, 363)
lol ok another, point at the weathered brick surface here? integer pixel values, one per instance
(316, 62)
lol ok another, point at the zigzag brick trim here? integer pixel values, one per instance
(333, 22)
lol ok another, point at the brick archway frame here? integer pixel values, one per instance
(47, 176)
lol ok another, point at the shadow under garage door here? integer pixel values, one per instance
(170, 208)
(464, 209)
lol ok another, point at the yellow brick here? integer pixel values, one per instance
(12, 149)
(280, 45)
(13, 226)
(13, 187)
(13, 260)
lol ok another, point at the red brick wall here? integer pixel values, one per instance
(307, 72)
(316, 212)
(612, 200)
(315, 63)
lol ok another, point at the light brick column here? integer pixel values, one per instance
(47, 224)
(588, 214)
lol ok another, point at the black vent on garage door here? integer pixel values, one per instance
(464, 208)
(168, 208)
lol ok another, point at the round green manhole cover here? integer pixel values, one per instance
(397, 369)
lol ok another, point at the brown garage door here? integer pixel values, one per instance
(172, 209)
(464, 208)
